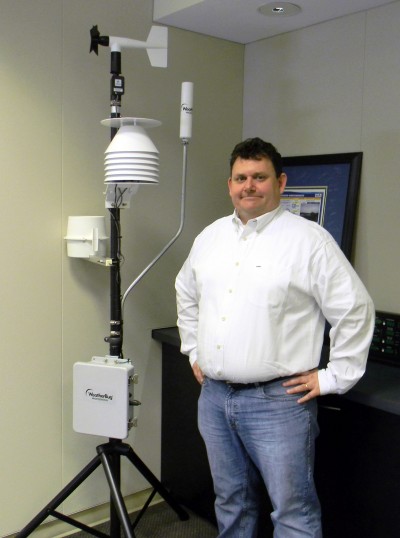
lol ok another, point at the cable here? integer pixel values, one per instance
(185, 143)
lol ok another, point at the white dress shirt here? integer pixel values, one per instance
(252, 302)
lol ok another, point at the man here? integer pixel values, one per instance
(252, 299)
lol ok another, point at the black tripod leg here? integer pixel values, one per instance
(153, 480)
(118, 501)
(58, 499)
(115, 466)
(143, 510)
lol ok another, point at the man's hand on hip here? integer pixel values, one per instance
(198, 374)
(304, 382)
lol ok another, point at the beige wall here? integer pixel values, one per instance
(332, 88)
(54, 309)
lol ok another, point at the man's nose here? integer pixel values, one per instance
(249, 184)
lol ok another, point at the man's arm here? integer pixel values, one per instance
(188, 310)
(348, 308)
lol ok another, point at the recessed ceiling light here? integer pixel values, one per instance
(279, 9)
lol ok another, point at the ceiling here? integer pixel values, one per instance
(241, 22)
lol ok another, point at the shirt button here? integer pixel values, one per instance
(223, 318)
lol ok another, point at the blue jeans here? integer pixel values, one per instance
(260, 431)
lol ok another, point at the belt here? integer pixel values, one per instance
(241, 386)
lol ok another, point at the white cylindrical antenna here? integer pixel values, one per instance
(186, 110)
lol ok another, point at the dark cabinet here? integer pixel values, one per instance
(184, 465)
(358, 470)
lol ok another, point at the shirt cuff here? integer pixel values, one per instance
(192, 358)
(327, 382)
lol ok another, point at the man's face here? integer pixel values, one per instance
(254, 187)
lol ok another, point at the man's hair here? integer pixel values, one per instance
(255, 148)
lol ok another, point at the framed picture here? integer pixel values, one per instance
(324, 188)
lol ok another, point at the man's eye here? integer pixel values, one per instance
(257, 177)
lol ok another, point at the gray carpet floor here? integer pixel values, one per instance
(160, 521)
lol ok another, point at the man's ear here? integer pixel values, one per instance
(282, 179)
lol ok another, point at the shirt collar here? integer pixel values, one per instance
(258, 223)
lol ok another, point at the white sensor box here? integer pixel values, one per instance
(101, 395)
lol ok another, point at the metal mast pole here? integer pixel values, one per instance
(115, 338)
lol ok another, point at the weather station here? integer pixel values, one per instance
(103, 387)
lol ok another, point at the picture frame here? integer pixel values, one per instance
(325, 188)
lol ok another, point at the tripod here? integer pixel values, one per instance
(109, 454)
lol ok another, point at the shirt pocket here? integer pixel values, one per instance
(267, 286)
